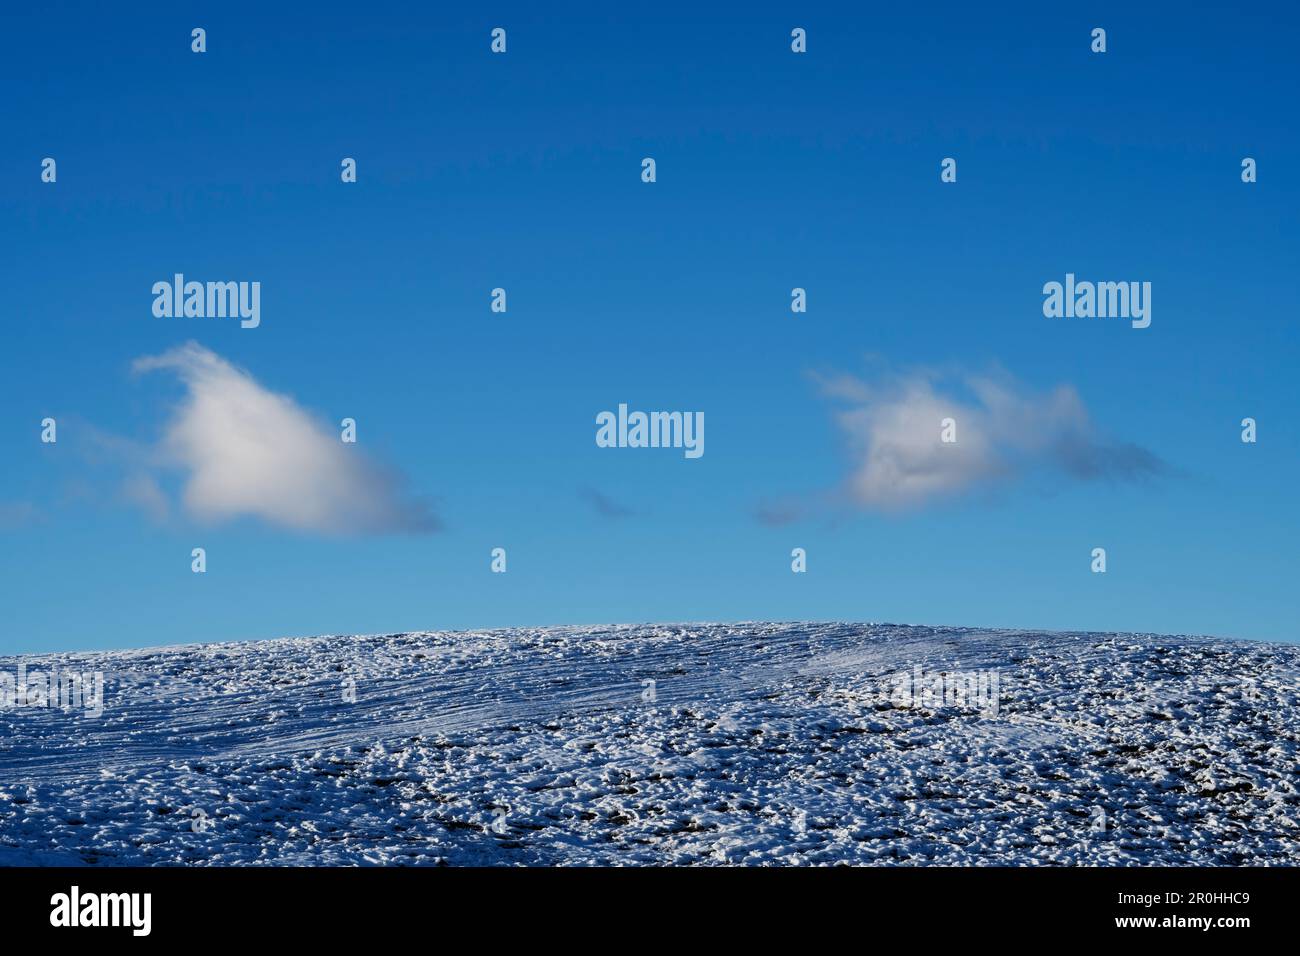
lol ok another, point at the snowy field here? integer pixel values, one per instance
(686, 744)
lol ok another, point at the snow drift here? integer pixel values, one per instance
(686, 744)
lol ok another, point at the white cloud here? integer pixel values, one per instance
(249, 451)
(1003, 431)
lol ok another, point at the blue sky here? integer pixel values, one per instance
(774, 170)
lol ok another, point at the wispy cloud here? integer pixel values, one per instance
(143, 491)
(603, 504)
(1003, 431)
(248, 451)
(18, 514)
(777, 514)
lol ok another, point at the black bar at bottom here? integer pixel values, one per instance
(333, 906)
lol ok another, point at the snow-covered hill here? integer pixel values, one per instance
(700, 744)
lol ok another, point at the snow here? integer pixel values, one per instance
(762, 743)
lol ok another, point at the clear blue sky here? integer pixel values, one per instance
(775, 170)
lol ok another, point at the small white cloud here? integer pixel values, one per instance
(249, 451)
(1003, 431)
